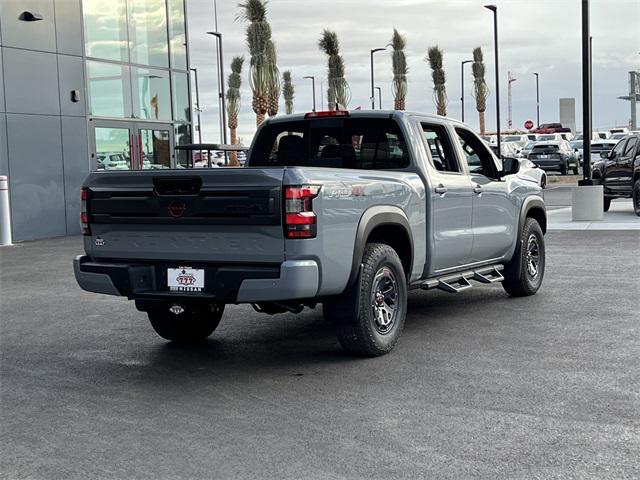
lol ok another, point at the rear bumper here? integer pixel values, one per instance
(550, 164)
(292, 279)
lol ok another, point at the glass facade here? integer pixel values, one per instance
(137, 71)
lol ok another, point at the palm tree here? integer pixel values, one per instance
(434, 56)
(233, 103)
(273, 76)
(480, 89)
(399, 63)
(338, 92)
(288, 91)
(262, 52)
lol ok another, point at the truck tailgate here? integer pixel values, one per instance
(218, 215)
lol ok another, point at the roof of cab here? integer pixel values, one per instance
(368, 114)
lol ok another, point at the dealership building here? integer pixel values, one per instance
(87, 85)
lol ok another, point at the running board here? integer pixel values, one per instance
(457, 282)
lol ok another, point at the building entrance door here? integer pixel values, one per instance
(117, 145)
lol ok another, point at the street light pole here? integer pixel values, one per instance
(462, 84)
(537, 99)
(586, 96)
(373, 98)
(313, 89)
(379, 97)
(198, 109)
(494, 9)
(223, 110)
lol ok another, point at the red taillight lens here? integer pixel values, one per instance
(299, 219)
(84, 215)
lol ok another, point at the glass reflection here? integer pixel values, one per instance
(112, 148)
(109, 90)
(177, 37)
(151, 94)
(181, 104)
(148, 32)
(155, 146)
(105, 29)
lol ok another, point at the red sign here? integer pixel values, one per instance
(528, 124)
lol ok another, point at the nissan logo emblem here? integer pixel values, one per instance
(177, 208)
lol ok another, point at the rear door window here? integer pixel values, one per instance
(358, 143)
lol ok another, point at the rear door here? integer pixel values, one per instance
(219, 215)
(451, 201)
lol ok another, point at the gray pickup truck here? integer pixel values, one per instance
(347, 209)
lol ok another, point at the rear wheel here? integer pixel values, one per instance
(636, 197)
(563, 168)
(606, 203)
(369, 316)
(185, 322)
(543, 181)
(524, 273)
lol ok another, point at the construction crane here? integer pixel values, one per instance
(511, 80)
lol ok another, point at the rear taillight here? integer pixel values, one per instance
(84, 215)
(299, 219)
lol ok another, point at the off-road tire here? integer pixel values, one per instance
(518, 278)
(353, 313)
(194, 324)
(606, 203)
(636, 197)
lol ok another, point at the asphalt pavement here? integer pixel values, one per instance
(479, 386)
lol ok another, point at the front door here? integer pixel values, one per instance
(451, 202)
(494, 213)
(117, 145)
(620, 174)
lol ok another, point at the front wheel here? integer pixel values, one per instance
(185, 323)
(369, 316)
(636, 197)
(523, 274)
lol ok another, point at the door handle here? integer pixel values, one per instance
(477, 189)
(441, 189)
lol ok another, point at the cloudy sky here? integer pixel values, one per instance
(535, 36)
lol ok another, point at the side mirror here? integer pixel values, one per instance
(510, 166)
(605, 154)
(575, 150)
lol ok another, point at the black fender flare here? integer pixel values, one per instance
(371, 218)
(530, 203)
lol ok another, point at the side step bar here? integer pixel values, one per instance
(457, 282)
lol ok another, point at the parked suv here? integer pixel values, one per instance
(347, 209)
(619, 172)
(555, 155)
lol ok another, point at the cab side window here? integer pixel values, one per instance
(443, 157)
(477, 155)
(618, 149)
(631, 144)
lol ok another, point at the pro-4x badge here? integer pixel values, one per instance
(99, 241)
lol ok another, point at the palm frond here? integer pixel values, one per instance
(253, 11)
(329, 42)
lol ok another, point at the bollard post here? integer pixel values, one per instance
(5, 212)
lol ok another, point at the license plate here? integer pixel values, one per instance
(544, 156)
(185, 279)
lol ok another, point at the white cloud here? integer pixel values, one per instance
(541, 36)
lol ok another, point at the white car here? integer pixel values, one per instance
(546, 137)
(521, 140)
(530, 171)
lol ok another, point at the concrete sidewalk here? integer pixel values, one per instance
(619, 217)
